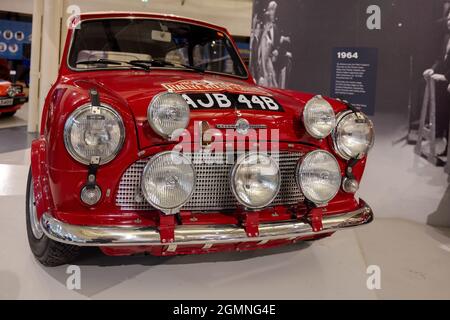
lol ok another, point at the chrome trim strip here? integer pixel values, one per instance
(197, 235)
(234, 126)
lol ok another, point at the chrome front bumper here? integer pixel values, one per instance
(198, 235)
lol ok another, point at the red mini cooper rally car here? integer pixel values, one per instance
(155, 139)
(12, 98)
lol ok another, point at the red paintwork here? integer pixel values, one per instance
(11, 108)
(59, 178)
(4, 86)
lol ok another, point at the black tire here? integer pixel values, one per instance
(7, 114)
(47, 251)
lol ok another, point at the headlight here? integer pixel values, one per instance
(94, 131)
(319, 117)
(353, 136)
(14, 90)
(319, 176)
(168, 114)
(168, 181)
(255, 180)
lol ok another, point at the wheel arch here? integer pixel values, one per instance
(39, 173)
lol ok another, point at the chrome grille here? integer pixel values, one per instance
(213, 191)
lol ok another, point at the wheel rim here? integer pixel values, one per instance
(36, 228)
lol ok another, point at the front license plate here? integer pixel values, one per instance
(6, 102)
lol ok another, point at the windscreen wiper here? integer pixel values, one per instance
(135, 63)
(164, 63)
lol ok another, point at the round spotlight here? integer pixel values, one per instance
(255, 180)
(319, 117)
(91, 196)
(168, 114)
(319, 176)
(168, 181)
(350, 185)
(354, 135)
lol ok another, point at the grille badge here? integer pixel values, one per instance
(242, 126)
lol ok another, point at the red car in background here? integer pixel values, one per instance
(12, 98)
(156, 140)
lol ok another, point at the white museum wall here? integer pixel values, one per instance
(22, 6)
(235, 15)
(397, 183)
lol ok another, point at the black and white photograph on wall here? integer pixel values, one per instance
(437, 94)
(270, 45)
(303, 45)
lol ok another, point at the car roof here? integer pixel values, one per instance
(150, 15)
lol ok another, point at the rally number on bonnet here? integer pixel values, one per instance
(227, 100)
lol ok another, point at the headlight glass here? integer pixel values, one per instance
(353, 136)
(94, 132)
(319, 176)
(255, 180)
(168, 114)
(319, 117)
(168, 181)
(14, 90)
(91, 196)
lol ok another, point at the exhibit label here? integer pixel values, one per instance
(354, 76)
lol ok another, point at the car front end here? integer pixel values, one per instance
(186, 156)
(12, 97)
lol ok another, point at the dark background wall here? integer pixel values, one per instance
(410, 37)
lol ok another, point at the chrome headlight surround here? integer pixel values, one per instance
(344, 151)
(245, 159)
(94, 111)
(168, 114)
(14, 90)
(170, 173)
(319, 117)
(303, 174)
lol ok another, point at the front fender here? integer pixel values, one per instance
(39, 172)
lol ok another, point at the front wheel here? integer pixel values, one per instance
(47, 251)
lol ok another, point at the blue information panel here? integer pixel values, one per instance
(354, 76)
(13, 35)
